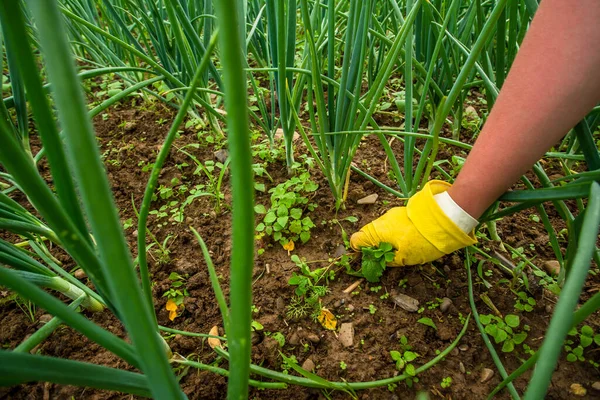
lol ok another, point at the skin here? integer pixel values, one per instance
(553, 83)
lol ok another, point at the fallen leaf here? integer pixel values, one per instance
(290, 246)
(212, 341)
(172, 308)
(327, 319)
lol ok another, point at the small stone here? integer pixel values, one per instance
(280, 304)
(454, 352)
(370, 199)
(44, 319)
(129, 126)
(313, 337)
(596, 386)
(406, 302)
(447, 269)
(221, 155)
(461, 367)
(446, 303)
(346, 335)
(339, 303)
(340, 251)
(549, 308)
(551, 267)
(463, 347)
(578, 390)
(486, 375)
(294, 339)
(79, 274)
(135, 233)
(308, 365)
(350, 308)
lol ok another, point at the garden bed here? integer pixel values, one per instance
(130, 139)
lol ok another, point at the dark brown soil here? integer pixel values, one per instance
(130, 139)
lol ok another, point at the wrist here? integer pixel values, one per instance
(462, 219)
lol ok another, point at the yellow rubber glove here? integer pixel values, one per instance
(420, 232)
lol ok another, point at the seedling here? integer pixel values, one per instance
(446, 382)
(343, 366)
(286, 220)
(504, 330)
(586, 338)
(176, 295)
(427, 322)
(308, 292)
(374, 261)
(403, 359)
(524, 302)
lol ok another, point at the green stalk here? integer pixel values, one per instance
(98, 201)
(243, 202)
(42, 334)
(75, 320)
(484, 336)
(562, 318)
(214, 280)
(18, 368)
(60, 285)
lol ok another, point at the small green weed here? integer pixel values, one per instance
(504, 330)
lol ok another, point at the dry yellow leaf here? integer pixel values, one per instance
(172, 308)
(289, 246)
(327, 319)
(214, 342)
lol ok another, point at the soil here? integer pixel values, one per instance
(131, 138)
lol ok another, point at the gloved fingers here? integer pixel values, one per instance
(362, 238)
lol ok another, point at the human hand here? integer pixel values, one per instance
(420, 232)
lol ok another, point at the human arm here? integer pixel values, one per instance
(553, 82)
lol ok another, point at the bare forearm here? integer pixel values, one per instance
(553, 83)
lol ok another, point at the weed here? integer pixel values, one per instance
(285, 220)
(372, 309)
(308, 292)
(446, 382)
(524, 302)
(374, 261)
(504, 330)
(427, 322)
(343, 366)
(403, 361)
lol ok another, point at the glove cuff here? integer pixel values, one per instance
(431, 221)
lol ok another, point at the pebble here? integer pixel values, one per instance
(549, 308)
(294, 339)
(308, 365)
(129, 126)
(340, 251)
(463, 347)
(447, 269)
(79, 274)
(454, 352)
(461, 367)
(578, 390)
(370, 199)
(313, 337)
(350, 308)
(44, 319)
(280, 304)
(486, 375)
(135, 233)
(551, 267)
(221, 155)
(214, 342)
(339, 303)
(446, 303)
(346, 335)
(406, 302)
(596, 386)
